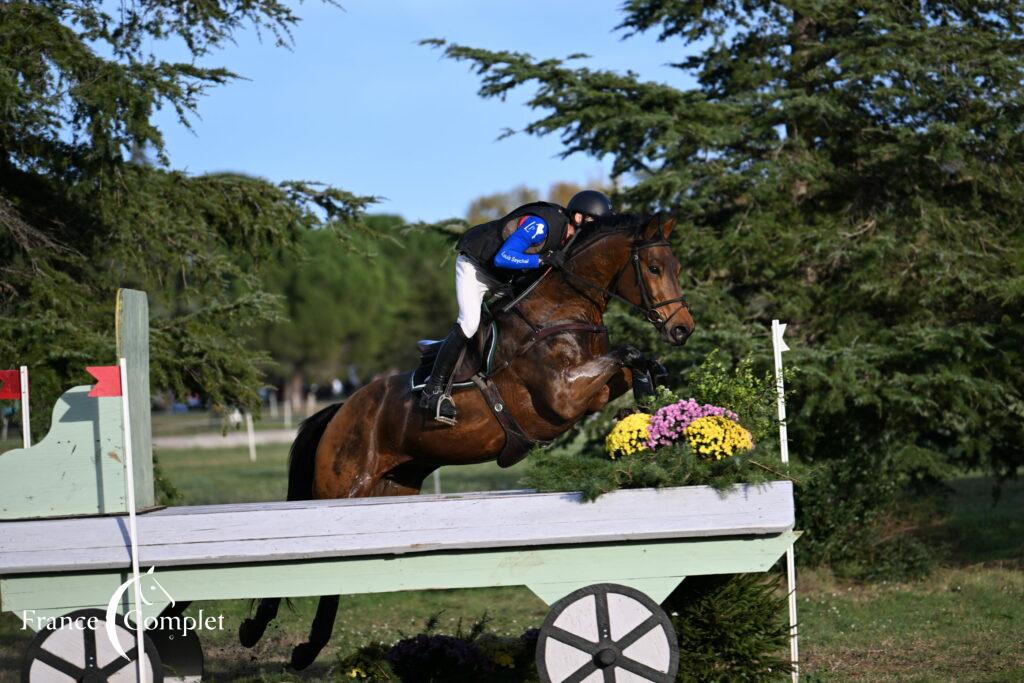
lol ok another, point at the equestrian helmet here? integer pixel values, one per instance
(589, 203)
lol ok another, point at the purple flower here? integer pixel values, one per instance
(668, 423)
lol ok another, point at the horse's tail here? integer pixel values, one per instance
(302, 457)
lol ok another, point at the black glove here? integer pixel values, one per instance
(553, 258)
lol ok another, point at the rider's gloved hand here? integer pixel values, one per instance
(555, 259)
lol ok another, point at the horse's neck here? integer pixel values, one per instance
(559, 298)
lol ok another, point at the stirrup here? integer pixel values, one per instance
(444, 419)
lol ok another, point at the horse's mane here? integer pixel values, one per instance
(606, 226)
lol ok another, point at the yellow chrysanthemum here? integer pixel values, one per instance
(629, 435)
(716, 437)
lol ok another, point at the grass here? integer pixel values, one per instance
(963, 623)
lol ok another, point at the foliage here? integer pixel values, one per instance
(84, 211)
(730, 627)
(674, 465)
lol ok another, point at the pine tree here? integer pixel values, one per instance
(88, 201)
(851, 167)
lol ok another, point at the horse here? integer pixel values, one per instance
(552, 366)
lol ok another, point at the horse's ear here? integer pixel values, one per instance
(660, 225)
(667, 226)
(653, 227)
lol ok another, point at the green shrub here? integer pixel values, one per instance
(731, 627)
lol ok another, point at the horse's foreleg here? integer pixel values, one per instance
(589, 386)
(319, 633)
(251, 630)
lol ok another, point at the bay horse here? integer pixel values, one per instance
(552, 366)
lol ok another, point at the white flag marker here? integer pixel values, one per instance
(26, 421)
(778, 346)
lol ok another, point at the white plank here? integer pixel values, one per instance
(266, 532)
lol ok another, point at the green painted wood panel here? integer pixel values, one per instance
(655, 568)
(133, 346)
(76, 469)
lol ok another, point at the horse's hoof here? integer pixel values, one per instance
(249, 632)
(631, 355)
(303, 655)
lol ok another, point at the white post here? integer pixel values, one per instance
(437, 480)
(310, 403)
(272, 398)
(26, 420)
(288, 413)
(252, 436)
(133, 532)
(778, 346)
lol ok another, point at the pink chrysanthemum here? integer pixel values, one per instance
(668, 423)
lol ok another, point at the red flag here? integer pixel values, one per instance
(10, 384)
(108, 380)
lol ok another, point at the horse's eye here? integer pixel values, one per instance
(655, 270)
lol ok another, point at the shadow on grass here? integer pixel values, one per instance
(980, 529)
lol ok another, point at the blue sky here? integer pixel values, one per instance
(357, 103)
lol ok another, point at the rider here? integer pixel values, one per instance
(489, 256)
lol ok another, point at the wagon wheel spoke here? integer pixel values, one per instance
(574, 640)
(89, 640)
(120, 663)
(638, 632)
(604, 627)
(633, 666)
(61, 665)
(582, 672)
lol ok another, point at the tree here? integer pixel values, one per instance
(82, 212)
(852, 167)
(364, 303)
(491, 206)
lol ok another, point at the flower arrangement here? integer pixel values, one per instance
(629, 435)
(669, 423)
(712, 432)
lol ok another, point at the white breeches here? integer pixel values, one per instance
(471, 286)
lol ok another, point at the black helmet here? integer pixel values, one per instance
(589, 203)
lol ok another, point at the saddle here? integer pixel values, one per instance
(477, 359)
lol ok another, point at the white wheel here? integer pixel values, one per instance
(607, 633)
(80, 651)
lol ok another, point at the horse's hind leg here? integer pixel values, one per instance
(319, 633)
(251, 630)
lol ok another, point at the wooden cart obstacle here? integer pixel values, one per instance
(603, 566)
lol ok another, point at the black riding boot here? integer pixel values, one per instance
(436, 396)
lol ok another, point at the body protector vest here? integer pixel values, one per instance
(482, 242)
